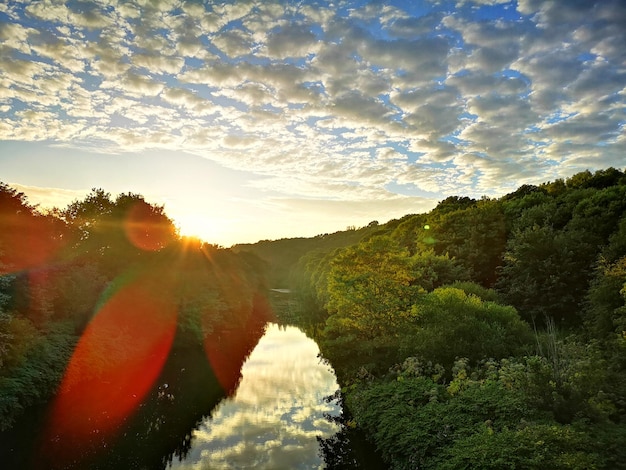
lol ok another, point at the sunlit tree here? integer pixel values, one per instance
(370, 284)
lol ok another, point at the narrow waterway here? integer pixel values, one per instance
(277, 414)
(280, 410)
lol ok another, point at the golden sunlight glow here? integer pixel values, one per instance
(196, 226)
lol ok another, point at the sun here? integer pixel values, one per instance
(198, 227)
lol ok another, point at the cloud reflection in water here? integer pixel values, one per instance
(277, 412)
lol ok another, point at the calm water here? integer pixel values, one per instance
(277, 413)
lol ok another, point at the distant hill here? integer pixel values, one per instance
(281, 255)
(473, 231)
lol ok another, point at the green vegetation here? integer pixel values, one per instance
(60, 269)
(485, 334)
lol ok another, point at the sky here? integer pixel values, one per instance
(256, 120)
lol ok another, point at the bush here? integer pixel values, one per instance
(36, 378)
(451, 324)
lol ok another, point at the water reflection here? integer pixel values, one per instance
(274, 418)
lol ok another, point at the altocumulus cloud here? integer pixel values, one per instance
(354, 100)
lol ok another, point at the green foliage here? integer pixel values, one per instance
(598, 214)
(471, 288)
(282, 255)
(486, 417)
(605, 298)
(617, 242)
(370, 284)
(523, 191)
(20, 335)
(515, 207)
(436, 369)
(5, 337)
(454, 203)
(59, 270)
(77, 286)
(114, 233)
(370, 289)
(27, 236)
(410, 233)
(534, 446)
(600, 179)
(546, 273)
(309, 281)
(430, 270)
(449, 323)
(13, 201)
(5, 318)
(475, 236)
(35, 377)
(414, 419)
(440, 373)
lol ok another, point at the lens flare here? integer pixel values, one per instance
(228, 346)
(114, 365)
(146, 229)
(26, 242)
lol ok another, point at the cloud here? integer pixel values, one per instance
(14, 36)
(408, 27)
(431, 113)
(48, 198)
(291, 40)
(489, 46)
(234, 43)
(349, 98)
(135, 84)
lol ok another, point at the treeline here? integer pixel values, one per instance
(281, 255)
(104, 291)
(486, 333)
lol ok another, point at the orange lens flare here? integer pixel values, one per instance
(114, 365)
(227, 347)
(25, 242)
(144, 229)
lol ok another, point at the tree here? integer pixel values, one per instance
(600, 179)
(370, 283)
(514, 207)
(474, 236)
(117, 233)
(86, 217)
(524, 190)
(430, 270)
(546, 273)
(410, 233)
(598, 215)
(145, 225)
(28, 238)
(449, 323)
(454, 203)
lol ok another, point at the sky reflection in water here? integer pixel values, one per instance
(276, 414)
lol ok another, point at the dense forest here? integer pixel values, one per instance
(484, 334)
(102, 305)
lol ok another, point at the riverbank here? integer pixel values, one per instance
(524, 411)
(348, 448)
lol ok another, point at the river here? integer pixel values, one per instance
(281, 414)
(275, 417)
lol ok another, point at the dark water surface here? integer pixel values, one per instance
(280, 412)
